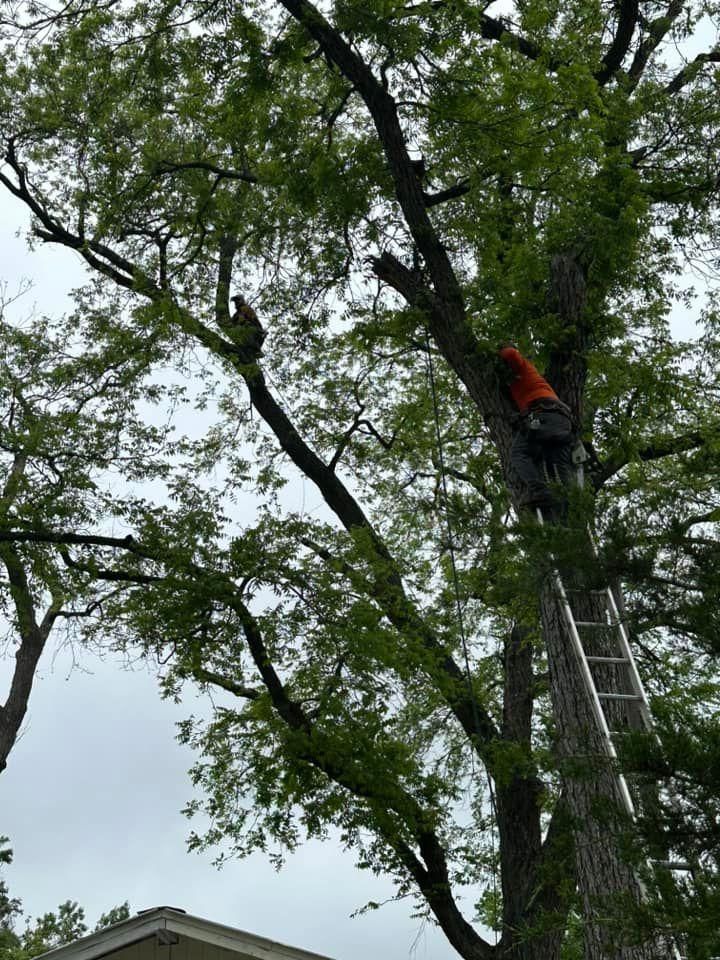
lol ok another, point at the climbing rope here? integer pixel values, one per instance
(456, 589)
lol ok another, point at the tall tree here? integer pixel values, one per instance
(396, 188)
(67, 419)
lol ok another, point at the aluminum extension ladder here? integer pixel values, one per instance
(635, 699)
(623, 657)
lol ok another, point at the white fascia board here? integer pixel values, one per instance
(110, 939)
(145, 925)
(219, 935)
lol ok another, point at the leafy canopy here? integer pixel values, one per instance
(395, 189)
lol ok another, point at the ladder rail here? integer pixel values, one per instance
(603, 726)
(636, 683)
(595, 703)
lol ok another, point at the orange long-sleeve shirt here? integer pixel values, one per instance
(528, 385)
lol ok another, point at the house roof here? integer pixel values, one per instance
(164, 924)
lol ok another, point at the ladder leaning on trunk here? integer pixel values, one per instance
(629, 690)
(633, 695)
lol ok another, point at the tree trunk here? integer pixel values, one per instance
(531, 900)
(606, 882)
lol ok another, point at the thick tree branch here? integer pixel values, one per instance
(387, 587)
(112, 576)
(665, 447)
(627, 21)
(448, 323)
(691, 70)
(226, 254)
(33, 637)
(388, 802)
(567, 367)
(406, 282)
(450, 193)
(657, 31)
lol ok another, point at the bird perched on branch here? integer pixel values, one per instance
(248, 332)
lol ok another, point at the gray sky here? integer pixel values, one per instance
(92, 794)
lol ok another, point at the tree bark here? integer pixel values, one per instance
(33, 636)
(601, 827)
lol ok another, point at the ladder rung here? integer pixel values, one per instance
(597, 623)
(586, 593)
(607, 659)
(620, 696)
(672, 864)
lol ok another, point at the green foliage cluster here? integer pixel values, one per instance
(53, 929)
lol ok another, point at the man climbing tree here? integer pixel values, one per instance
(541, 449)
(388, 669)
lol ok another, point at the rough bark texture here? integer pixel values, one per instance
(601, 826)
(33, 636)
(593, 797)
(528, 900)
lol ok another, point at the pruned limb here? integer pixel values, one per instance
(406, 282)
(450, 193)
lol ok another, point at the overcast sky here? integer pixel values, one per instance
(92, 794)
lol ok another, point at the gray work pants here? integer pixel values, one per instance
(544, 437)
